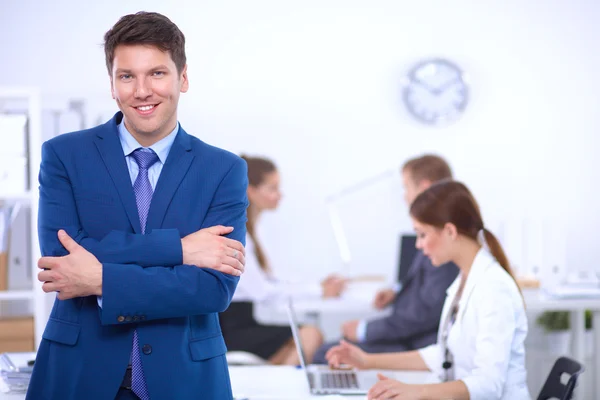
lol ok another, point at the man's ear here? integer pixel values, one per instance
(424, 185)
(451, 231)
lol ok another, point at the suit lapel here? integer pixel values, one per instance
(176, 167)
(414, 266)
(111, 151)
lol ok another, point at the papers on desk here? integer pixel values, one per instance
(573, 292)
(14, 376)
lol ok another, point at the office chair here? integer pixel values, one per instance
(553, 387)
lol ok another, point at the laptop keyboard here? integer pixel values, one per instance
(338, 380)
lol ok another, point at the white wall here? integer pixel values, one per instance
(316, 86)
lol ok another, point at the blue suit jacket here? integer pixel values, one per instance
(85, 188)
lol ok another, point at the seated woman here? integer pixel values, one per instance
(480, 351)
(258, 285)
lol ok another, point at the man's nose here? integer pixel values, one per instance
(143, 89)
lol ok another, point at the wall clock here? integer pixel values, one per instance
(436, 91)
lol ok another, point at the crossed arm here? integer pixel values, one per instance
(131, 271)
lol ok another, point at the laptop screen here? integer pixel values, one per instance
(294, 326)
(406, 254)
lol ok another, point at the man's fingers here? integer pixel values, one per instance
(237, 255)
(47, 262)
(228, 269)
(49, 287)
(235, 245)
(234, 263)
(219, 230)
(382, 377)
(67, 242)
(44, 276)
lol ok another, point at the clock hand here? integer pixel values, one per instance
(426, 86)
(442, 89)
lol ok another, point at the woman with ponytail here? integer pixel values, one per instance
(480, 352)
(259, 285)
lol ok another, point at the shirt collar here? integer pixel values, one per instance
(161, 148)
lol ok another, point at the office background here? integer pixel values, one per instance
(316, 86)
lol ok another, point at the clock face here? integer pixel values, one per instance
(436, 91)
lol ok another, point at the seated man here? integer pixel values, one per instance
(417, 306)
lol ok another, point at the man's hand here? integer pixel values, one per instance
(349, 330)
(333, 286)
(383, 298)
(208, 248)
(77, 274)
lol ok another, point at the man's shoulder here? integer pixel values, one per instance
(214, 154)
(75, 138)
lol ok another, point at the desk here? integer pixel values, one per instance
(360, 302)
(536, 300)
(279, 383)
(289, 383)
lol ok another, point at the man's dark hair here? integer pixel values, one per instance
(147, 28)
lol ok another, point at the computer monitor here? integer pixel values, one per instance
(407, 252)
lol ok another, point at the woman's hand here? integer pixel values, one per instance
(346, 353)
(390, 389)
(333, 286)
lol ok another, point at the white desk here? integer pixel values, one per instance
(359, 301)
(277, 383)
(536, 300)
(289, 383)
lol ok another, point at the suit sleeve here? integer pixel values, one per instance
(182, 290)
(58, 210)
(417, 309)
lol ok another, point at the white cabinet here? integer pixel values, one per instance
(19, 167)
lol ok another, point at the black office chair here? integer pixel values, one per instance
(554, 388)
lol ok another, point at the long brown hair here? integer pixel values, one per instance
(258, 169)
(452, 202)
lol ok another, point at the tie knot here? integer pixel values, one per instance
(144, 158)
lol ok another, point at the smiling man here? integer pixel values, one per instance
(142, 228)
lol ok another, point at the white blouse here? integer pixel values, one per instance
(487, 338)
(258, 286)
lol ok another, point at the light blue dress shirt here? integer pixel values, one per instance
(161, 148)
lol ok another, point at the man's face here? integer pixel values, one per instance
(411, 188)
(146, 85)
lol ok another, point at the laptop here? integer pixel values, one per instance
(324, 381)
(406, 254)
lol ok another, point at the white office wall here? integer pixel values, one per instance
(315, 85)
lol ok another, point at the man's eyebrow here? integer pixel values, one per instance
(162, 66)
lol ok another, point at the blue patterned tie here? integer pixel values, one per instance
(144, 158)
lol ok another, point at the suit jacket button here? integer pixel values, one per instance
(128, 318)
(147, 349)
(120, 318)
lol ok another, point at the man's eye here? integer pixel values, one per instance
(159, 73)
(125, 77)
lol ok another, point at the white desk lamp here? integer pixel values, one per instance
(334, 215)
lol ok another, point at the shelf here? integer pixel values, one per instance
(16, 294)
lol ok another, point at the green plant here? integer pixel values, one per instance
(588, 319)
(553, 321)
